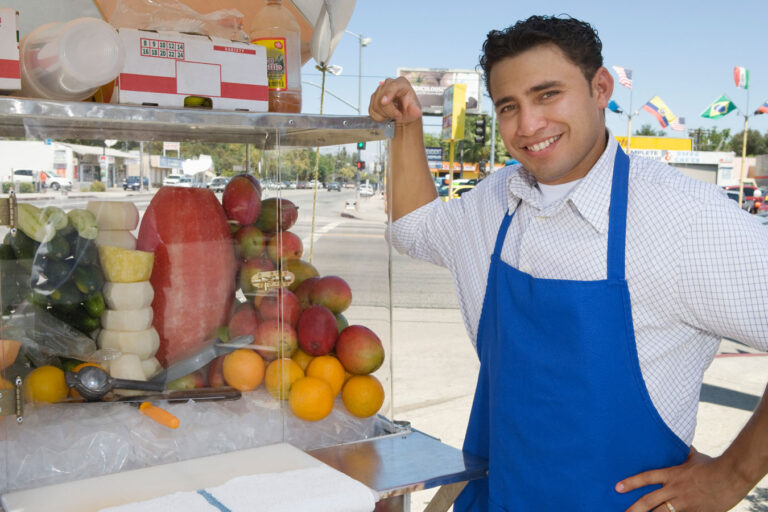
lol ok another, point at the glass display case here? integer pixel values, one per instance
(145, 324)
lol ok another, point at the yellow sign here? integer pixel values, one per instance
(663, 143)
(454, 110)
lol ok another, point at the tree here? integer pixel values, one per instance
(755, 143)
(647, 130)
(710, 140)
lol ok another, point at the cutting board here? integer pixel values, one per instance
(93, 494)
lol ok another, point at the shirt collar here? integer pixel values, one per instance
(591, 197)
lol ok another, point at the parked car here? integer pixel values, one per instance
(458, 190)
(172, 179)
(135, 183)
(186, 181)
(752, 200)
(366, 190)
(333, 186)
(23, 176)
(218, 183)
(58, 183)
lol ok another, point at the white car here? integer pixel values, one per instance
(366, 190)
(172, 179)
(23, 176)
(185, 181)
(58, 183)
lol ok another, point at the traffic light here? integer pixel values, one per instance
(360, 165)
(480, 130)
(361, 145)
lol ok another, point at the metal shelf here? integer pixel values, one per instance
(43, 119)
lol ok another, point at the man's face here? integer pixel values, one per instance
(550, 118)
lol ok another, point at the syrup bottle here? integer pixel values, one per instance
(275, 28)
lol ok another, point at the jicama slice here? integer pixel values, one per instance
(114, 214)
(128, 295)
(117, 238)
(141, 343)
(127, 319)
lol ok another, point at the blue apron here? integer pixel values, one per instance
(561, 410)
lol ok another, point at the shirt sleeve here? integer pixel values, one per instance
(724, 274)
(422, 234)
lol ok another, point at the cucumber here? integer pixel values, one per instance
(66, 297)
(57, 272)
(22, 245)
(88, 279)
(95, 305)
(56, 249)
(56, 217)
(6, 252)
(84, 222)
(85, 251)
(32, 221)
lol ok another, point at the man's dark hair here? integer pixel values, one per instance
(576, 39)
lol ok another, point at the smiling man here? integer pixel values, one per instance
(595, 304)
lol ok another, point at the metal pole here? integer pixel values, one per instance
(629, 123)
(359, 112)
(743, 158)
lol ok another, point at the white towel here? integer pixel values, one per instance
(318, 489)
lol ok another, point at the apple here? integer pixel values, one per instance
(277, 214)
(359, 350)
(304, 291)
(242, 199)
(332, 292)
(216, 373)
(251, 268)
(317, 330)
(279, 305)
(192, 380)
(249, 242)
(285, 246)
(279, 336)
(244, 321)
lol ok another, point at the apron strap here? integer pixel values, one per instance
(501, 235)
(617, 218)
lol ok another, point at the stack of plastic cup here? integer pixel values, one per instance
(70, 60)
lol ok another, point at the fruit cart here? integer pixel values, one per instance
(168, 341)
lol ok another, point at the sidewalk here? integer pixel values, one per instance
(435, 368)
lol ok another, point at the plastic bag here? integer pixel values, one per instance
(45, 338)
(172, 15)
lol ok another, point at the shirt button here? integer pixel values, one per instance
(541, 219)
(526, 269)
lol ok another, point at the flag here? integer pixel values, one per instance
(614, 107)
(625, 76)
(678, 124)
(741, 77)
(762, 109)
(658, 109)
(720, 107)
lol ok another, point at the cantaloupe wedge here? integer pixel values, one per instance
(9, 350)
(124, 265)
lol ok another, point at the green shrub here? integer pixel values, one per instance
(98, 186)
(7, 185)
(26, 188)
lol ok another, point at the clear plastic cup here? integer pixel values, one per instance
(70, 60)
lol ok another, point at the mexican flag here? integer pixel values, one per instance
(741, 77)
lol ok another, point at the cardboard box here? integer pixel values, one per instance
(163, 68)
(10, 73)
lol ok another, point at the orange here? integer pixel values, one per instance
(9, 350)
(329, 369)
(363, 395)
(280, 376)
(302, 358)
(311, 399)
(243, 369)
(45, 384)
(73, 392)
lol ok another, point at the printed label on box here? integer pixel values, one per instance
(10, 72)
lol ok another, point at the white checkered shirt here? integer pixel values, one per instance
(696, 264)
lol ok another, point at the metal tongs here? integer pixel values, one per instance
(201, 358)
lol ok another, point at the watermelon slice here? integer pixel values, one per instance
(193, 274)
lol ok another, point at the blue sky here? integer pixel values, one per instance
(681, 50)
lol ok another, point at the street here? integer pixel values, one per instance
(433, 364)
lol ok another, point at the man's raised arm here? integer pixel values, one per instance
(412, 184)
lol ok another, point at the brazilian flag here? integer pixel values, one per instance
(720, 107)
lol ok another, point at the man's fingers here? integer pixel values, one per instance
(655, 476)
(394, 99)
(653, 501)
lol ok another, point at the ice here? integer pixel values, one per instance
(71, 441)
